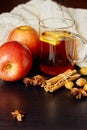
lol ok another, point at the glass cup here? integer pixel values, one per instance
(58, 48)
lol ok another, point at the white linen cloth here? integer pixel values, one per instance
(31, 12)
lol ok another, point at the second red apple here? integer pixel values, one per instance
(27, 36)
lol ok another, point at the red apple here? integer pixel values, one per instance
(28, 36)
(15, 61)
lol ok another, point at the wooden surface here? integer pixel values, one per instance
(44, 111)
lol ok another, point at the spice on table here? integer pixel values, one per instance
(64, 79)
(78, 92)
(83, 70)
(85, 87)
(17, 115)
(54, 83)
(69, 85)
(81, 82)
(37, 80)
(59, 81)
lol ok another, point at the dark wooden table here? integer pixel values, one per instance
(44, 111)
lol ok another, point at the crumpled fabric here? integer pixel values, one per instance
(33, 11)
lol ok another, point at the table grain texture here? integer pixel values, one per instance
(43, 111)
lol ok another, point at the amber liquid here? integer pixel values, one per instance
(53, 59)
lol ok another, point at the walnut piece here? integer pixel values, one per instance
(69, 85)
(18, 115)
(85, 87)
(83, 70)
(81, 82)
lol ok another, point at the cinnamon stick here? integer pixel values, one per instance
(58, 77)
(57, 86)
(58, 81)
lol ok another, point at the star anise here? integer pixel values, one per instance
(78, 92)
(37, 80)
(18, 115)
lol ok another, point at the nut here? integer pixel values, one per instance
(83, 70)
(81, 82)
(85, 87)
(69, 85)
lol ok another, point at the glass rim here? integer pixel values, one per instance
(67, 19)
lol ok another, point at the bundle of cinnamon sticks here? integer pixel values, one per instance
(58, 81)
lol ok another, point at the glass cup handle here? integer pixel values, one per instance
(76, 56)
(83, 42)
(80, 37)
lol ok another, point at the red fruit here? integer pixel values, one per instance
(15, 61)
(27, 36)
